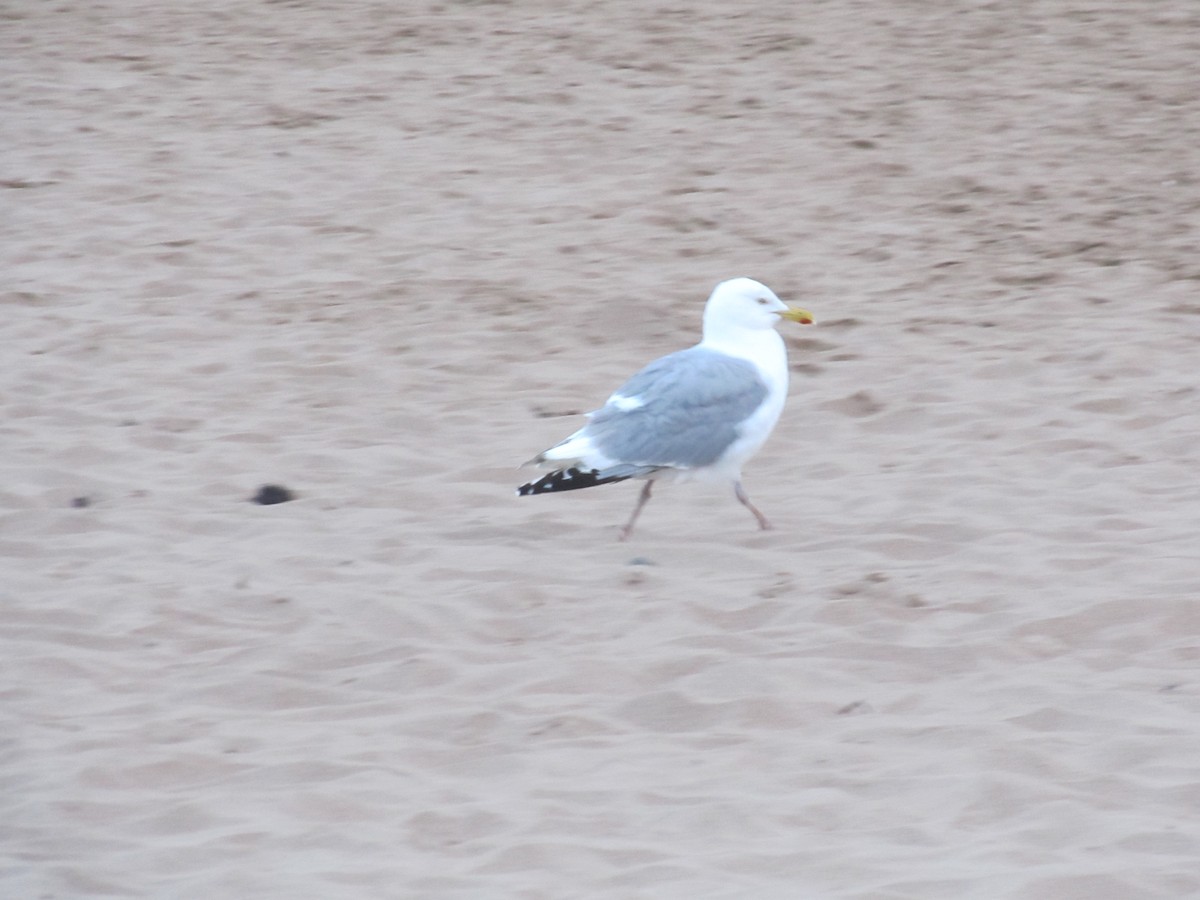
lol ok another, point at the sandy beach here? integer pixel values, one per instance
(380, 254)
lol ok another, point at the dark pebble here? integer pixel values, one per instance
(270, 494)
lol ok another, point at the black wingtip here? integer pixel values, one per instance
(567, 480)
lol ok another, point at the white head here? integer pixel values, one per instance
(745, 304)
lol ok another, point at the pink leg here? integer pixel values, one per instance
(744, 499)
(643, 498)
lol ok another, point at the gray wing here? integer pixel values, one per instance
(692, 404)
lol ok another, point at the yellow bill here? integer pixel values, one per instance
(795, 314)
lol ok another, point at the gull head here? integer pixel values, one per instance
(743, 303)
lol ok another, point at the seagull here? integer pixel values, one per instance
(697, 414)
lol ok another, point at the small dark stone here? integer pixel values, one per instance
(270, 494)
(81, 502)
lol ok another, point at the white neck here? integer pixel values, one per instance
(761, 346)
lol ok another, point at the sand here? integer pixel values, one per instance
(379, 254)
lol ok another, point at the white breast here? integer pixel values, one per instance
(765, 350)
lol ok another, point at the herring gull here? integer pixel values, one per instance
(700, 413)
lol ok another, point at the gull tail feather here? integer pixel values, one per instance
(572, 479)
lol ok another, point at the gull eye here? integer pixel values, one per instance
(762, 301)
